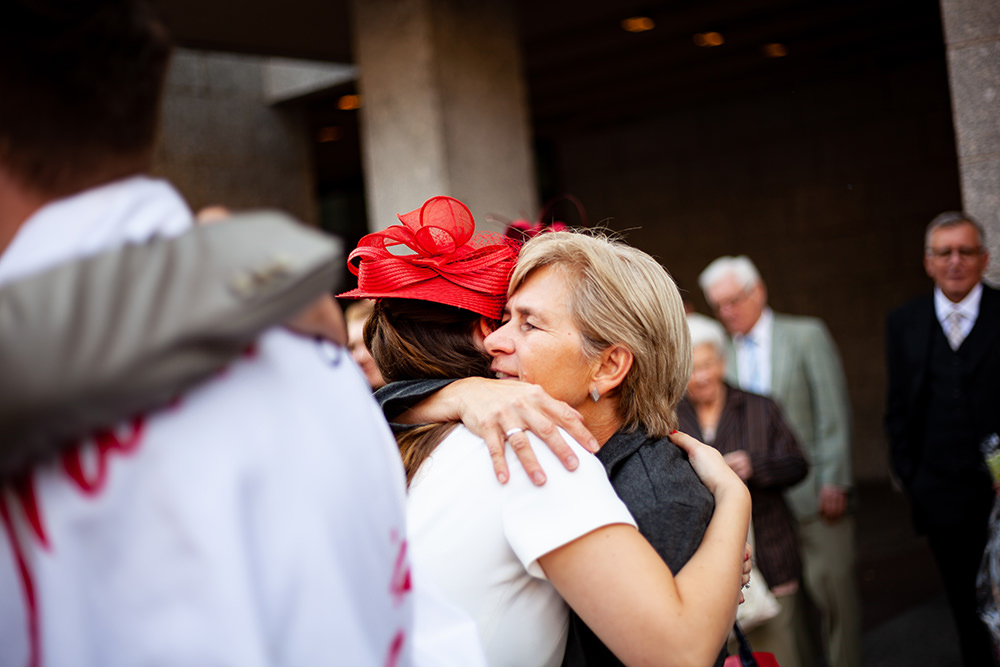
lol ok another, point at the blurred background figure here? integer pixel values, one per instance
(759, 446)
(943, 353)
(213, 213)
(212, 532)
(357, 314)
(794, 360)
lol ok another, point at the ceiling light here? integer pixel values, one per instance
(349, 102)
(328, 134)
(775, 50)
(638, 24)
(708, 39)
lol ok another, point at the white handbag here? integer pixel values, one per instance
(759, 604)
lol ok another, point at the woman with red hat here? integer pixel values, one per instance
(510, 554)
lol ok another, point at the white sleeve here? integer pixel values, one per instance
(539, 519)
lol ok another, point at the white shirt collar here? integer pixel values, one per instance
(969, 306)
(753, 362)
(761, 331)
(131, 210)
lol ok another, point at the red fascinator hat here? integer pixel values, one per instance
(448, 264)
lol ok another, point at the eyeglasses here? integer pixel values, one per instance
(731, 302)
(965, 253)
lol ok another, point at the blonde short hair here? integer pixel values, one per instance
(621, 295)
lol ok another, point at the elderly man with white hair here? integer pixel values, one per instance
(794, 360)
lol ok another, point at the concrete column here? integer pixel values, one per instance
(221, 142)
(972, 36)
(444, 107)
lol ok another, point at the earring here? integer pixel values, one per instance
(594, 394)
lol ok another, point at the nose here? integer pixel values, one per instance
(498, 341)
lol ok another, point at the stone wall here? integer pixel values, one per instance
(221, 143)
(972, 33)
(826, 188)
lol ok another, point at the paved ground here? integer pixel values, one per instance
(905, 617)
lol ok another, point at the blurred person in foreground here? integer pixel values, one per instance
(749, 431)
(943, 354)
(212, 531)
(356, 314)
(794, 360)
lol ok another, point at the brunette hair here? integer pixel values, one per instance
(81, 82)
(411, 339)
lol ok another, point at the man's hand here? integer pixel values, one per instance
(492, 409)
(832, 502)
(323, 318)
(739, 461)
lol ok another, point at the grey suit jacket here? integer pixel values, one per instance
(807, 381)
(98, 340)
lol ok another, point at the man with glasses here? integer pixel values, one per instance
(943, 353)
(794, 360)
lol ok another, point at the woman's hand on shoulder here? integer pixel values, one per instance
(710, 465)
(500, 411)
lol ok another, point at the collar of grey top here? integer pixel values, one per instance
(620, 446)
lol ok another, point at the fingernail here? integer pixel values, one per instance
(593, 446)
(502, 477)
(538, 478)
(572, 462)
(672, 432)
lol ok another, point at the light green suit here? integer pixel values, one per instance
(807, 381)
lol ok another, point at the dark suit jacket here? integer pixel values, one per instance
(947, 489)
(753, 423)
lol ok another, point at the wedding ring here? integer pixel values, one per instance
(513, 431)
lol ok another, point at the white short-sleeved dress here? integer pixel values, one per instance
(479, 541)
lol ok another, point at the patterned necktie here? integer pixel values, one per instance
(953, 329)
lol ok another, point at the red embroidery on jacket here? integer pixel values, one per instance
(24, 490)
(395, 649)
(105, 442)
(400, 584)
(27, 583)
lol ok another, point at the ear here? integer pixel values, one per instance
(762, 292)
(615, 363)
(484, 329)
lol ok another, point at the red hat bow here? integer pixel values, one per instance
(523, 230)
(448, 265)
